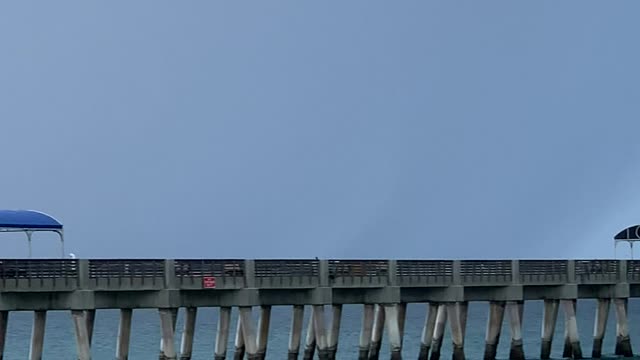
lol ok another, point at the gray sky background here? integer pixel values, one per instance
(413, 129)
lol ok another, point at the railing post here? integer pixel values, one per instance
(393, 272)
(170, 274)
(515, 271)
(83, 274)
(622, 271)
(323, 272)
(457, 272)
(250, 273)
(571, 271)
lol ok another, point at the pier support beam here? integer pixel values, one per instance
(515, 309)
(602, 315)
(427, 331)
(124, 334)
(167, 325)
(297, 319)
(263, 331)
(90, 316)
(376, 335)
(438, 333)
(321, 333)
(83, 349)
(334, 334)
(222, 335)
(623, 342)
(310, 340)
(365, 332)
(248, 333)
(4, 321)
(240, 348)
(549, 319)
(494, 328)
(572, 339)
(37, 335)
(392, 320)
(457, 314)
(186, 344)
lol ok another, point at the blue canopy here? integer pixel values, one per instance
(28, 220)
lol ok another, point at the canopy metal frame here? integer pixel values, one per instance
(30, 231)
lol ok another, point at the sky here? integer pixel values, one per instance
(291, 129)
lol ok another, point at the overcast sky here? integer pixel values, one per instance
(412, 129)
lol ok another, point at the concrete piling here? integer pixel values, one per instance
(334, 333)
(263, 331)
(37, 335)
(297, 319)
(167, 325)
(240, 348)
(222, 334)
(376, 334)
(494, 328)
(320, 331)
(186, 344)
(4, 321)
(571, 330)
(90, 316)
(515, 311)
(249, 333)
(173, 315)
(456, 312)
(438, 333)
(393, 328)
(549, 319)
(623, 342)
(365, 332)
(600, 326)
(310, 340)
(79, 318)
(124, 334)
(427, 331)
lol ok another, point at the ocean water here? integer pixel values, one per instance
(145, 337)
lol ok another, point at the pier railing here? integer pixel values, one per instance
(192, 274)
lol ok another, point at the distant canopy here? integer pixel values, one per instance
(29, 222)
(629, 234)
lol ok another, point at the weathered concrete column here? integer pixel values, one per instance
(549, 319)
(167, 326)
(365, 332)
(334, 333)
(240, 348)
(623, 342)
(402, 319)
(376, 334)
(310, 341)
(571, 327)
(263, 331)
(494, 328)
(515, 310)
(90, 315)
(249, 333)
(392, 321)
(321, 332)
(297, 319)
(79, 318)
(37, 335)
(427, 331)
(4, 321)
(124, 334)
(174, 316)
(600, 326)
(457, 321)
(438, 333)
(222, 335)
(186, 344)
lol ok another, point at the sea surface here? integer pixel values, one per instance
(145, 337)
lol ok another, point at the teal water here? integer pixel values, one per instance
(145, 338)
